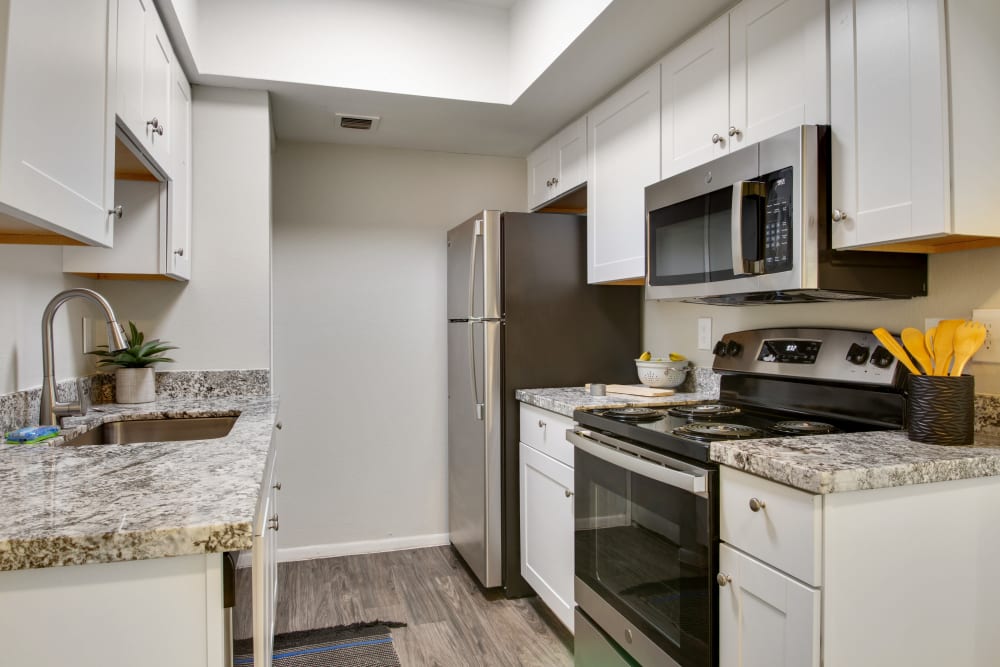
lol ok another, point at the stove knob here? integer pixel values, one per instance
(733, 349)
(882, 357)
(857, 354)
(720, 349)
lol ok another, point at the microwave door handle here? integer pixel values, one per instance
(742, 190)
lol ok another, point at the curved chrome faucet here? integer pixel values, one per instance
(51, 410)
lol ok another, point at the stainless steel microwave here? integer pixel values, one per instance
(753, 227)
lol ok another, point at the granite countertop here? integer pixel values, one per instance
(105, 503)
(858, 461)
(563, 400)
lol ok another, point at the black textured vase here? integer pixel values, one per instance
(941, 409)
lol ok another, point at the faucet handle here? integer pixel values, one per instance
(82, 397)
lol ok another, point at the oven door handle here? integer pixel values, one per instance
(664, 469)
(742, 190)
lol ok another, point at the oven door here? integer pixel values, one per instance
(646, 546)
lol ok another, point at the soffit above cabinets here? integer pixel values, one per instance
(493, 77)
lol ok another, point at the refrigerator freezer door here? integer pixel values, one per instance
(474, 446)
(474, 268)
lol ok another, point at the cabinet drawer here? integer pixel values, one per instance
(546, 432)
(773, 522)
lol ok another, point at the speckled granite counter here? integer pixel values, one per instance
(563, 400)
(857, 461)
(75, 505)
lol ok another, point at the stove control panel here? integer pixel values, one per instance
(828, 355)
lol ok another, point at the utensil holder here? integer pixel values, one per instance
(941, 409)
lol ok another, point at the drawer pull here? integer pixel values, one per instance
(723, 579)
(756, 505)
(569, 494)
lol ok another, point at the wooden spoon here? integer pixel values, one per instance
(929, 342)
(913, 339)
(968, 339)
(895, 348)
(944, 340)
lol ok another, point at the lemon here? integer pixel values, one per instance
(677, 357)
(645, 356)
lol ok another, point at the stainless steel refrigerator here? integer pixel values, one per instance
(520, 315)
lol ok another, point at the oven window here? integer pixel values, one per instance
(648, 549)
(678, 243)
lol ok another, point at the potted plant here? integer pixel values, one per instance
(134, 381)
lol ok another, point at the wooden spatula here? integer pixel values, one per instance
(969, 337)
(944, 339)
(929, 342)
(895, 348)
(913, 340)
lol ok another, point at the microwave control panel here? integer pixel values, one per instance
(778, 221)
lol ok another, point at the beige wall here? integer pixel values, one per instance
(360, 350)
(957, 283)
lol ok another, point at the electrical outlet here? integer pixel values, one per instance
(990, 351)
(704, 333)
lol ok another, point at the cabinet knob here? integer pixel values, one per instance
(628, 635)
(156, 125)
(723, 579)
(117, 211)
(555, 181)
(277, 486)
(756, 505)
(569, 494)
(272, 523)
(548, 183)
(735, 132)
(717, 139)
(279, 426)
(839, 215)
(179, 252)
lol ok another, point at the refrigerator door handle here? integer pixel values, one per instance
(472, 366)
(474, 256)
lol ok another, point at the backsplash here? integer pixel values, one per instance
(20, 408)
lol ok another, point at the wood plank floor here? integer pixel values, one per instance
(449, 619)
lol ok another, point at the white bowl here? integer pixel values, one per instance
(662, 374)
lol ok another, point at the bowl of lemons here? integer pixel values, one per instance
(662, 372)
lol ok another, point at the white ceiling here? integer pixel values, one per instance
(502, 4)
(625, 38)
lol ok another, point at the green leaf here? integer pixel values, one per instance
(140, 353)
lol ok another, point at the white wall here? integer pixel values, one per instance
(29, 277)
(360, 352)
(221, 318)
(434, 48)
(958, 282)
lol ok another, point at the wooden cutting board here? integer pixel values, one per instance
(635, 390)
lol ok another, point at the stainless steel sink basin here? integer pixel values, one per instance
(155, 430)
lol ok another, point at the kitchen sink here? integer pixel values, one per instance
(155, 430)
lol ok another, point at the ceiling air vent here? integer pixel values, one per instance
(358, 122)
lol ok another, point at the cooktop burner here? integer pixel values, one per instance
(803, 427)
(633, 414)
(718, 431)
(704, 410)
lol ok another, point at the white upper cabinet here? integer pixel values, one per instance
(559, 165)
(747, 76)
(131, 49)
(695, 86)
(56, 133)
(623, 158)
(913, 169)
(177, 259)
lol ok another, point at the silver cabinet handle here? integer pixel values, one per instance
(117, 211)
(156, 125)
(569, 494)
(735, 132)
(272, 523)
(839, 215)
(279, 426)
(717, 139)
(541, 424)
(277, 486)
(548, 183)
(723, 579)
(179, 252)
(756, 505)
(555, 181)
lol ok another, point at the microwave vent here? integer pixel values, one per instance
(358, 122)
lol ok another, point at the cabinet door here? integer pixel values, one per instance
(542, 169)
(695, 87)
(56, 135)
(766, 618)
(131, 50)
(623, 157)
(156, 87)
(889, 121)
(547, 530)
(778, 67)
(264, 575)
(570, 149)
(177, 250)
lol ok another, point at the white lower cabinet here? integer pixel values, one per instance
(546, 509)
(766, 618)
(264, 575)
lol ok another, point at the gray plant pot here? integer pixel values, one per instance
(135, 385)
